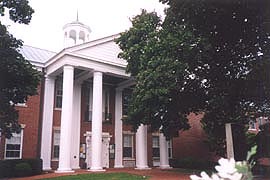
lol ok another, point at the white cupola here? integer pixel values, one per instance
(75, 33)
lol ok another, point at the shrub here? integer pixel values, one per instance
(22, 169)
(9, 168)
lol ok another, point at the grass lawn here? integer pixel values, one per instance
(102, 176)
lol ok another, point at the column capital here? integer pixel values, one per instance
(48, 77)
(67, 66)
(96, 73)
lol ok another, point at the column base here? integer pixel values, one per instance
(46, 169)
(143, 168)
(64, 171)
(165, 167)
(96, 169)
(118, 166)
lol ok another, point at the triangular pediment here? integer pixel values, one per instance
(100, 55)
(104, 49)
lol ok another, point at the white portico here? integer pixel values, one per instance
(97, 65)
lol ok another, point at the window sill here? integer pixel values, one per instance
(12, 158)
(129, 159)
(58, 109)
(54, 159)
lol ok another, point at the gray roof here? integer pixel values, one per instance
(36, 55)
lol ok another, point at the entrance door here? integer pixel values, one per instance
(105, 149)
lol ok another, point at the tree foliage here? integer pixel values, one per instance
(158, 60)
(206, 56)
(238, 76)
(18, 78)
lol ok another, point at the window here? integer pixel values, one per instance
(89, 101)
(56, 144)
(13, 148)
(252, 125)
(125, 101)
(128, 146)
(169, 144)
(58, 93)
(106, 115)
(155, 147)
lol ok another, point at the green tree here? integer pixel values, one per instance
(207, 56)
(18, 78)
(238, 75)
(166, 90)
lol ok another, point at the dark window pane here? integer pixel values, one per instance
(56, 151)
(127, 152)
(59, 102)
(155, 152)
(12, 154)
(169, 152)
(17, 147)
(10, 146)
(16, 154)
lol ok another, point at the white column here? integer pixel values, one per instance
(47, 121)
(118, 131)
(66, 121)
(164, 155)
(141, 148)
(96, 164)
(76, 126)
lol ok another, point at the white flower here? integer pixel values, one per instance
(204, 177)
(226, 171)
(226, 166)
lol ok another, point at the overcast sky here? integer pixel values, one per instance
(104, 17)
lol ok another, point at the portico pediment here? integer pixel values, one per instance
(100, 55)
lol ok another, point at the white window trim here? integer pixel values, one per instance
(58, 85)
(106, 90)
(21, 146)
(156, 135)
(129, 133)
(55, 129)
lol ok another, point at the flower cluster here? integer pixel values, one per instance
(227, 169)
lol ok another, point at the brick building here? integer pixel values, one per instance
(75, 120)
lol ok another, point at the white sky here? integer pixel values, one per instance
(104, 17)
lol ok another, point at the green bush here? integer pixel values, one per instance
(22, 169)
(9, 168)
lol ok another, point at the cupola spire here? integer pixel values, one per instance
(77, 16)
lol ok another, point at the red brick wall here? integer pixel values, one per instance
(190, 143)
(28, 115)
